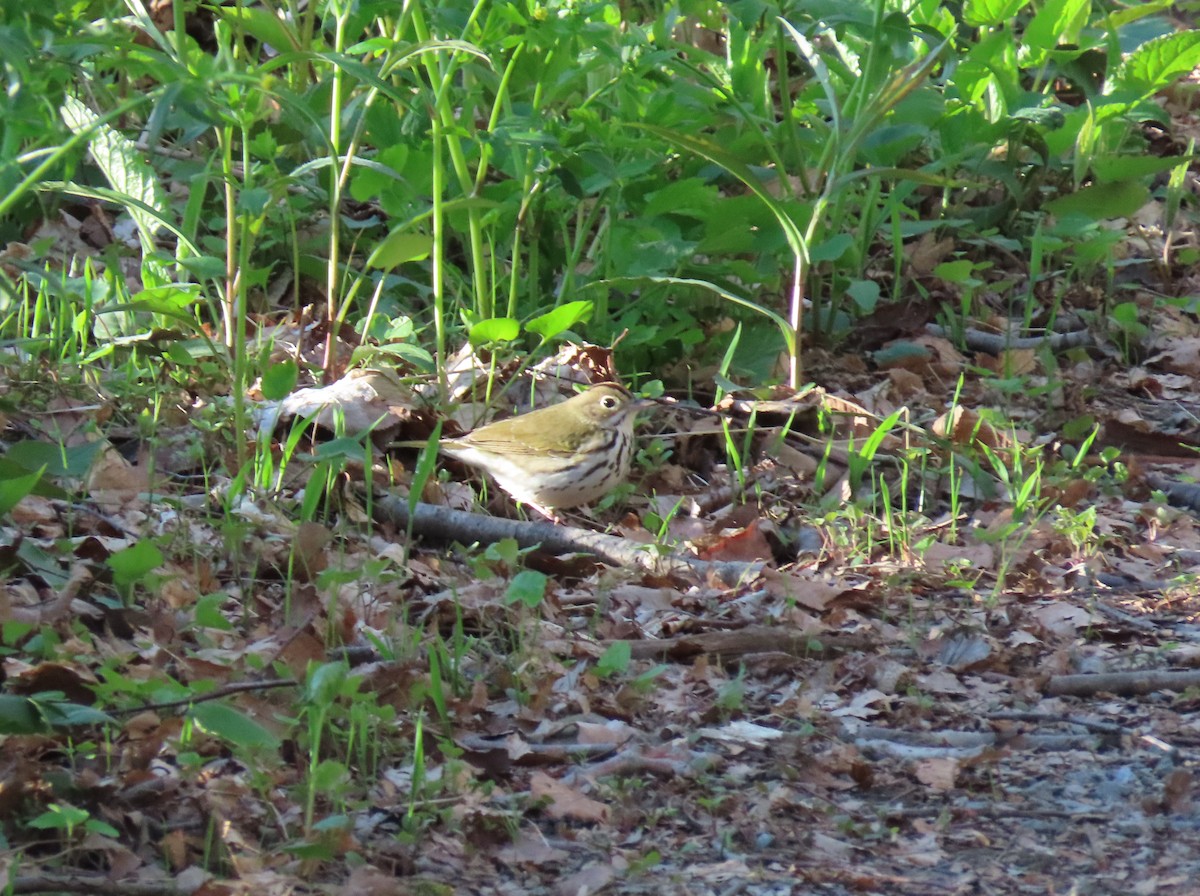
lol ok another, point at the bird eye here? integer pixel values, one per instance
(609, 402)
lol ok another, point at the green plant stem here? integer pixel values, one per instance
(332, 279)
(446, 123)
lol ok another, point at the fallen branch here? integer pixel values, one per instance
(93, 884)
(1179, 494)
(447, 524)
(996, 343)
(1121, 683)
(1049, 718)
(938, 808)
(740, 643)
(915, 745)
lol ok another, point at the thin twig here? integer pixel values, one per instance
(238, 687)
(447, 524)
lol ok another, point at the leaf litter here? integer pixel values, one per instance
(885, 702)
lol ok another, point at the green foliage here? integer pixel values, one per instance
(509, 157)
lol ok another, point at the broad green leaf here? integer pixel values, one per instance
(30, 715)
(233, 725)
(528, 587)
(262, 24)
(649, 247)
(60, 816)
(13, 489)
(173, 300)
(19, 715)
(1112, 168)
(65, 714)
(343, 447)
(328, 774)
(957, 271)
(1057, 22)
(133, 563)
(1122, 17)
(718, 155)
(615, 659)
(561, 319)
(324, 683)
(1049, 117)
(279, 380)
(1160, 62)
(1100, 201)
(204, 267)
(400, 246)
(207, 612)
(414, 354)
(831, 249)
(864, 294)
(493, 330)
(189, 351)
(123, 167)
(74, 461)
(691, 196)
(989, 13)
(1126, 314)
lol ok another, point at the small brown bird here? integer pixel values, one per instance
(560, 456)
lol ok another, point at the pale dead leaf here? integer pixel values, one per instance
(369, 881)
(742, 733)
(825, 848)
(113, 481)
(563, 801)
(1183, 356)
(585, 882)
(938, 773)
(802, 588)
(977, 556)
(613, 733)
(862, 706)
(531, 849)
(1064, 619)
(941, 682)
(1021, 638)
(357, 402)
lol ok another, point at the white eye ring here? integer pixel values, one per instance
(609, 402)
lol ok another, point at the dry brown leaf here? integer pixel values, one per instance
(906, 385)
(805, 589)
(978, 556)
(965, 427)
(114, 483)
(939, 773)
(747, 545)
(308, 550)
(564, 801)
(1064, 619)
(587, 881)
(928, 252)
(532, 849)
(357, 402)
